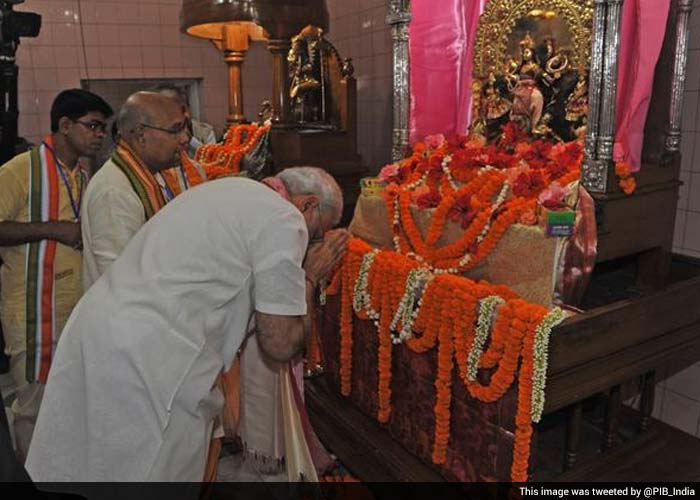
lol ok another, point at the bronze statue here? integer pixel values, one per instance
(306, 70)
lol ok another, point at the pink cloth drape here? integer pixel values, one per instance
(441, 53)
(643, 29)
(441, 47)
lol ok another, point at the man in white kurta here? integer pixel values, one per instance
(112, 211)
(132, 392)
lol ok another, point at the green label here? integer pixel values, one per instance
(560, 223)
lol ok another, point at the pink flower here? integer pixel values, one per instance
(554, 196)
(434, 141)
(388, 172)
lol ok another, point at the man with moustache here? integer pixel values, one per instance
(129, 188)
(40, 197)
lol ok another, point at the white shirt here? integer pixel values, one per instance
(130, 394)
(111, 215)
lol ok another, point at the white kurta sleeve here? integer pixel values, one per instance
(114, 217)
(278, 253)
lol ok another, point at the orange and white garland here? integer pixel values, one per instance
(476, 325)
(496, 204)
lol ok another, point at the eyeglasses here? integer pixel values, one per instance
(174, 130)
(93, 127)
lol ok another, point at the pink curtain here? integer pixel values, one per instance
(441, 51)
(643, 29)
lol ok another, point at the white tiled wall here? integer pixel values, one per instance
(687, 234)
(97, 39)
(678, 396)
(358, 30)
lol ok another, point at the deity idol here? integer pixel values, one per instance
(528, 103)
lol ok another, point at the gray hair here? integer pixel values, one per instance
(314, 180)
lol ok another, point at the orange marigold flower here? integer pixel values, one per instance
(622, 169)
(628, 185)
(528, 218)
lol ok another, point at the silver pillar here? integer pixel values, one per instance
(602, 96)
(673, 136)
(606, 138)
(593, 173)
(399, 16)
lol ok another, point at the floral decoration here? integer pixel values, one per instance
(472, 325)
(627, 182)
(483, 188)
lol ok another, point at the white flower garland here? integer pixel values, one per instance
(361, 298)
(397, 225)
(467, 257)
(448, 173)
(485, 321)
(417, 183)
(405, 312)
(540, 358)
(408, 310)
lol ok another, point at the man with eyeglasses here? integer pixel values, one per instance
(129, 188)
(41, 193)
(200, 133)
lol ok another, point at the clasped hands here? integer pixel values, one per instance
(324, 256)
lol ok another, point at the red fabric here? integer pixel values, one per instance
(643, 30)
(441, 46)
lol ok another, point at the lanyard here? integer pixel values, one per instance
(75, 206)
(165, 189)
(184, 177)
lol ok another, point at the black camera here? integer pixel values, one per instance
(15, 25)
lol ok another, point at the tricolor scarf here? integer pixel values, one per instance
(40, 259)
(141, 179)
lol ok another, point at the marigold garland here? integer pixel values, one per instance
(221, 160)
(458, 317)
(435, 170)
(627, 182)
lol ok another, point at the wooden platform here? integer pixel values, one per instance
(661, 454)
